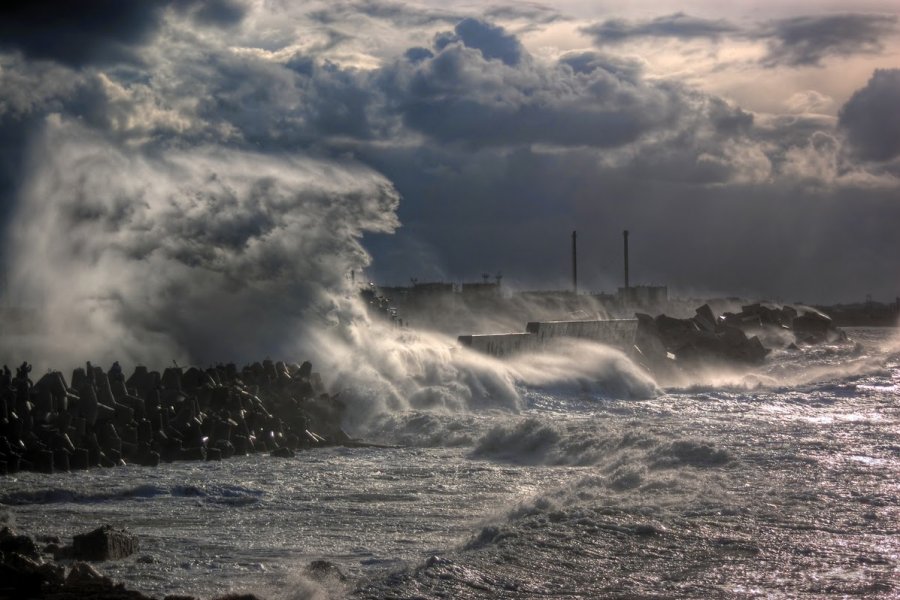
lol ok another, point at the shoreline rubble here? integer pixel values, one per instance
(69, 575)
(664, 343)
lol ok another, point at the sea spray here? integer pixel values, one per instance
(199, 254)
(379, 368)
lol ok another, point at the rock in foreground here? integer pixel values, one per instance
(104, 543)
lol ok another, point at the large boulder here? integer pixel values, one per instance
(83, 573)
(705, 319)
(104, 543)
(323, 570)
(20, 577)
(812, 327)
(19, 544)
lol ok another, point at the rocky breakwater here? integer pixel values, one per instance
(105, 419)
(666, 345)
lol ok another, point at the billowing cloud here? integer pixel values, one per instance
(461, 94)
(871, 117)
(492, 41)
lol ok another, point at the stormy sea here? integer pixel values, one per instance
(548, 475)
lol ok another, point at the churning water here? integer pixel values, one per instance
(780, 483)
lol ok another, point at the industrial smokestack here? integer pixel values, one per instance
(625, 238)
(574, 263)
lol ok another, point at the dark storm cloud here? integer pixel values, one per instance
(221, 13)
(77, 33)
(535, 14)
(807, 41)
(871, 118)
(493, 42)
(531, 11)
(798, 41)
(97, 31)
(395, 12)
(678, 25)
(587, 62)
(278, 106)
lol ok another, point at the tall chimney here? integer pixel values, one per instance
(625, 238)
(574, 263)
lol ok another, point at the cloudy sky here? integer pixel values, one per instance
(753, 149)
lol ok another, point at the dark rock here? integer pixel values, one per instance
(197, 453)
(83, 573)
(812, 328)
(323, 569)
(705, 319)
(43, 461)
(282, 453)
(305, 370)
(16, 582)
(171, 379)
(61, 461)
(80, 459)
(20, 544)
(148, 458)
(104, 543)
(48, 539)
(53, 575)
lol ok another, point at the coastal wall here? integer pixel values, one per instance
(500, 344)
(613, 332)
(619, 333)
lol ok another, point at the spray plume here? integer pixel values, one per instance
(195, 255)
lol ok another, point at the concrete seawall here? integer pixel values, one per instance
(619, 333)
(500, 344)
(614, 332)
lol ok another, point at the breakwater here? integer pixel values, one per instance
(101, 418)
(619, 333)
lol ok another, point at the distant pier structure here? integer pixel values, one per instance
(574, 262)
(650, 297)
